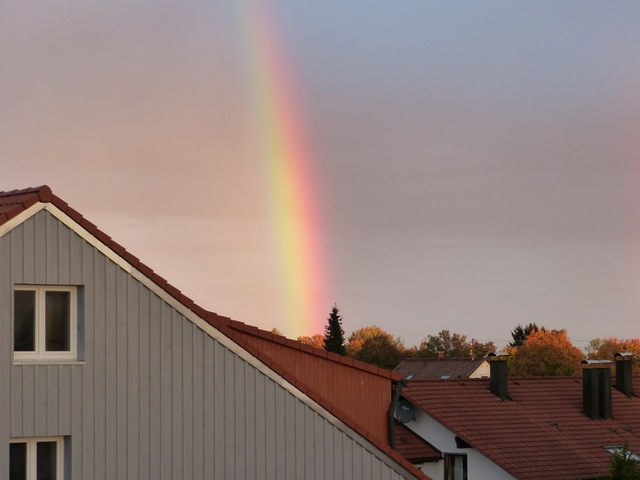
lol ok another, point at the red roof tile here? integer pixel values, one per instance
(437, 368)
(413, 447)
(540, 433)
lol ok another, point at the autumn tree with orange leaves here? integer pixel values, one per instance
(605, 348)
(545, 353)
(315, 340)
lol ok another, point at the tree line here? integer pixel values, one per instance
(533, 350)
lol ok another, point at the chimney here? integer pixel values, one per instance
(623, 373)
(596, 389)
(498, 374)
(440, 354)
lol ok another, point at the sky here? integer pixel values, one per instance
(423, 165)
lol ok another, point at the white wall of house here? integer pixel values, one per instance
(483, 371)
(479, 467)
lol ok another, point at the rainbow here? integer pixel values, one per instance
(297, 222)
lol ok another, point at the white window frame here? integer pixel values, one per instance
(32, 451)
(41, 353)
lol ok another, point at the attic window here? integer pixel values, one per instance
(445, 376)
(44, 323)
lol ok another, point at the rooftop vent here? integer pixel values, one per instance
(596, 389)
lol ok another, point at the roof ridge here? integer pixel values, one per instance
(320, 352)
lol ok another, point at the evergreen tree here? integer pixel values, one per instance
(333, 333)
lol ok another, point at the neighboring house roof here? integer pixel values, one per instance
(413, 447)
(439, 367)
(16, 202)
(540, 433)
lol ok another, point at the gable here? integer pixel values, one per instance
(156, 380)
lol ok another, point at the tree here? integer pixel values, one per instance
(358, 337)
(333, 333)
(275, 331)
(454, 346)
(605, 348)
(623, 466)
(316, 340)
(520, 334)
(380, 351)
(546, 353)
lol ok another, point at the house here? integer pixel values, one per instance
(552, 428)
(108, 371)
(444, 368)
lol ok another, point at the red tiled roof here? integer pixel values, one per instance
(12, 203)
(320, 352)
(437, 368)
(413, 447)
(541, 433)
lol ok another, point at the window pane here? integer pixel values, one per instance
(18, 461)
(57, 334)
(24, 325)
(46, 461)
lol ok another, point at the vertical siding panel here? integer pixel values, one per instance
(347, 457)
(166, 396)
(111, 364)
(199, 419)
(145, 400)
(64, 420)
(271, 437)
(77, 422)
(156, 413)
(376, 470)
(52, 406)
(76, 258)
(338, 455)
(89, 271)
(28, 401)
(40, 243)
(209, 406)
(250, 424)
(310, 450)
(289, 422)
(51, 224)
(261, 442)
(329, 452)
(240, 417)
(219, 406)
(367, 459)
(40, 413)
(16, 416)
(319, 430)
(64, 252)
(121, 362)
(13, 269)
(280, 429)
(230, 414)
(29, 251)
(133, 357)
(176, 374)
(300, 421)
(187, 398)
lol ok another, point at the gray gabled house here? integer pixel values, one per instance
(108, 372)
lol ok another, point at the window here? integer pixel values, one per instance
(45, 324)
(36, 459)
(455, 467)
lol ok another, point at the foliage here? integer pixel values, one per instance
(380, 350)
(605, 348)
(545, 353)
(455, 345)
(316, 340)
(333, 333)
(374, 345)
(275, 331)
(520, 334)
(623, 466)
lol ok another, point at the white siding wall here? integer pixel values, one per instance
(479, 467)
(157, 398)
